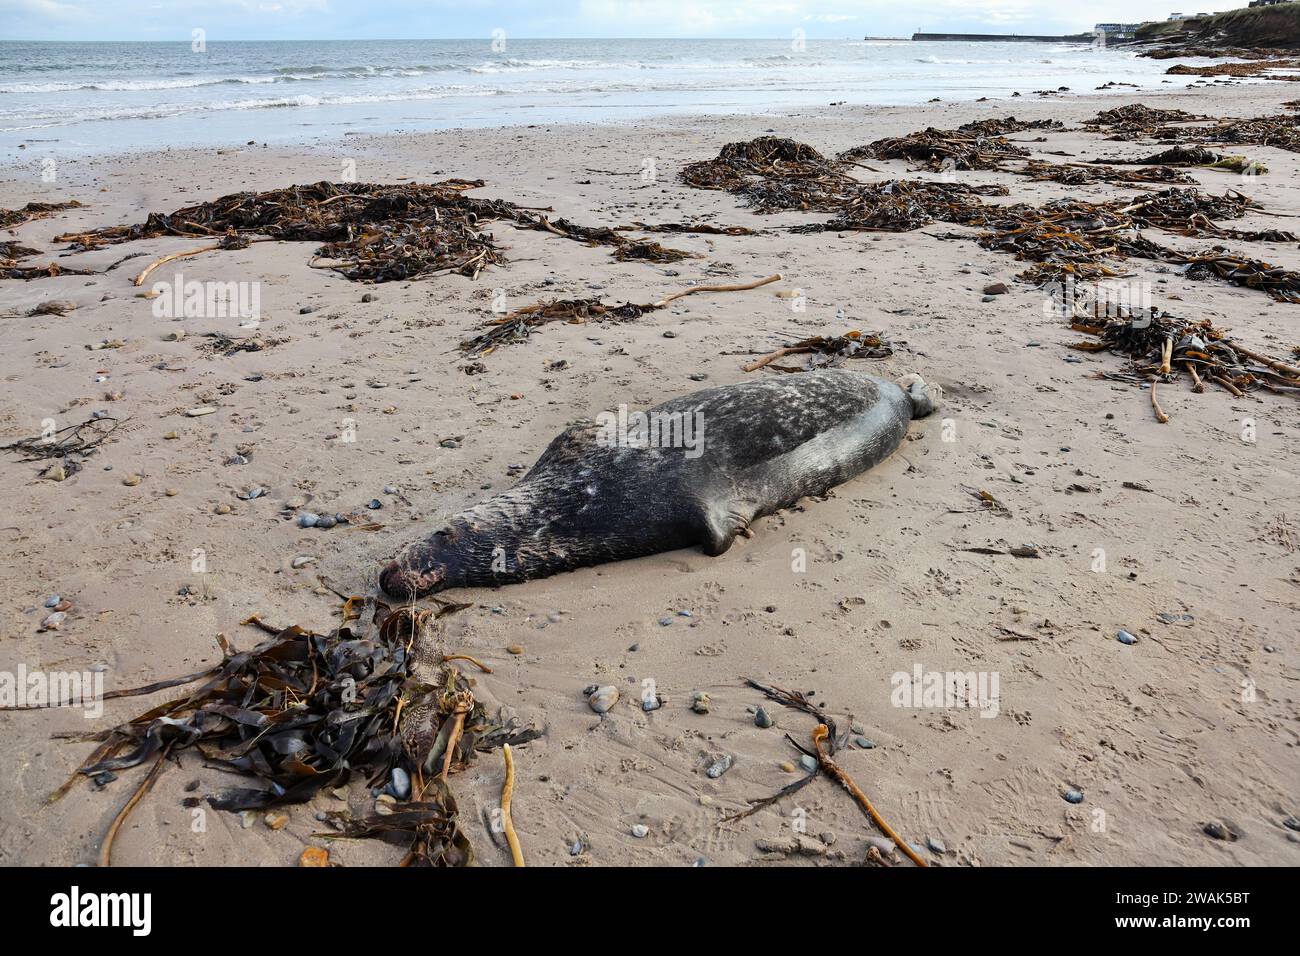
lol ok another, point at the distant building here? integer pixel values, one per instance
(1177, 16)
(1117, 31)
(1264, 3)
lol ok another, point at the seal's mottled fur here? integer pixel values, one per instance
(764, 445)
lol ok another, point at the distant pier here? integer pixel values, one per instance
(1004, 37)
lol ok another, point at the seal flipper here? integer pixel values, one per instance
(720, 525)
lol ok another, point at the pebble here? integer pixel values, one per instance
(200, 411)
(247, 818)
(665, 621)
(996, 288)
(222, 509)
(700, 702)
(368, 297)
(787, 766)
(1124, 637)
(1073, 796)
(936, 845)
(302, 561)
(131, 480)
(390, 489)
(374, 504)
(698, 377)
(719, 767)
(307, 520)
(276, 820)
(171, 492)
(384, 804)
(52, 600)
(763, 719)
(400, 785)
(314, 856)
(326, 522)
(603, 698)
(808, 763)
(515, 649)
(866, 743)
(652, 702)
(54, 621)
(640, 831)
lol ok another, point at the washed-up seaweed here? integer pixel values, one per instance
(1280, 283)
(940, 149)
(48, 271)
(9, 218)
(70, 445)
(902, 205)
(1079, 174)
(11, 252)
(302, 711)
(518, 325)
(688, 228)
(827, 351)
(370, 232)
(1194, 156)
(772, 174)
(1137, 121)
(1160, 348)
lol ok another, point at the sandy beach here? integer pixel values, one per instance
(1198, 530)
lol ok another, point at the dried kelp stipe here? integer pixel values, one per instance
(303, 710)
(68, 447)
(827, 351)
(371, 232)
(1194, 156)
(9, 218)
(9, 270)
(1161, 347)
(937, 149)
(518, 325)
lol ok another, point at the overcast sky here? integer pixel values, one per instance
(354, 19)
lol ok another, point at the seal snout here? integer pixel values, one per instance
(406, 584)
(925, 396)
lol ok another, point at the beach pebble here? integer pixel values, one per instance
(200, 411)
(307, 520)
(936, 845)
(807, 762)
(763, 719)
(651, 702)
(1073, 796)
(276, 820)
(374, 504)
(640, 831)
(996, 288)
(719, 767)
(866, 743)
(786, 766)
(390, 489)
(314, 856)
(400, 784)
(326, 521)
(603, 698)
(1124, 637)
(302, 561)
(384, 804)
(52, 600)
(222, 509)
(131, 480)
(700, 702)
(54, 621)
(515, 649)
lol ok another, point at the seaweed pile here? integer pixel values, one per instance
(1137, 121)
(67, 448)
(774, 174)
(1159, 347)
(1257, 68)
(9, 218)
(1195, 156)
(371, 232)
(1080, 174)
(943, 149)
(303, 711)
(900, 205)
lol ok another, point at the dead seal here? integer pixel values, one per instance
(693, 471)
